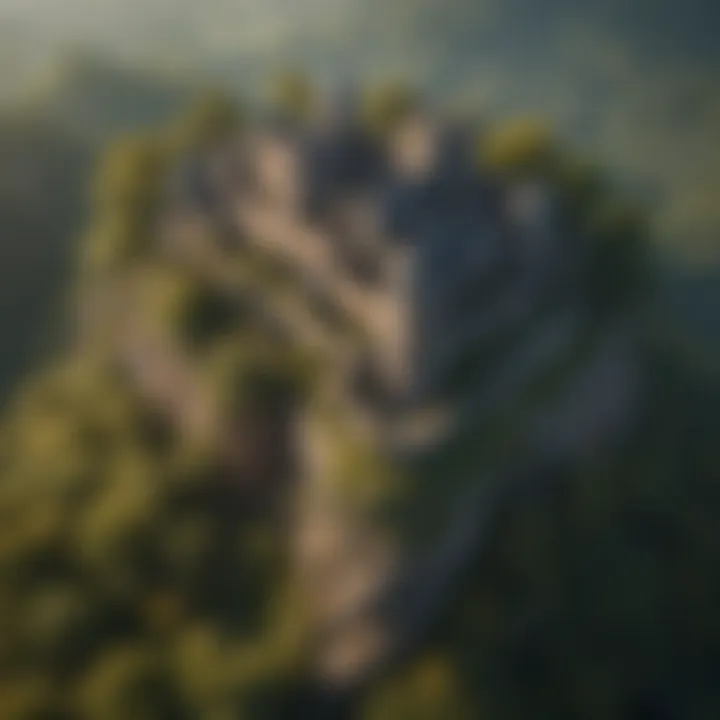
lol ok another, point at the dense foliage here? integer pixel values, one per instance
(49, 145)
(595, 599)
(137, 579)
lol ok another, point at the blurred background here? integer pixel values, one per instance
(632, 84)
(144, 568)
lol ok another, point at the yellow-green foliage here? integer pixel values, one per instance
(127, 192)
(430, 689)
(130, 182)
(114, 241)
(517, 147)
(129, 682)
(294, 95)
(187, 308)
(130, 178)
(111, 551)
(134, 583)
(250, 372)
(613, 234)
(384, 107)
(119, 541)
(209, 121)
(364, 475)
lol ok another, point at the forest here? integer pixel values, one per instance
(139, 581)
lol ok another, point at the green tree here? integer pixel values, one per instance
(294, 95)
(385, 106)
(518, 147)
(212, 118)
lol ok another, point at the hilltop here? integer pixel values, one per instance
(340, 438)
(49, 143)
(634, 82)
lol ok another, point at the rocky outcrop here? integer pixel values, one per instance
(438, 268)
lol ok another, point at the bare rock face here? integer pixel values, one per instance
(458, 329)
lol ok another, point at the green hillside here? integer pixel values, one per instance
(144, 578)
(48, 146)
(631, 84)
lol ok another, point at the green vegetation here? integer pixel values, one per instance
(130, 184)
(294, 96)
(140, 578)
(596, 599)
(387, 105)
(617, 234)
(429, 690)
(211, 118)
(138, 582)
(633, 83)
(130, 582)
(191, 311)
(250, 373)
(49, 145)
(128, 191)
(518, 148)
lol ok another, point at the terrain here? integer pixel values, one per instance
(557, 558)
(631, 86)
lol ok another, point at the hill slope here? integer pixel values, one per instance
(633, 81)
(48, 147)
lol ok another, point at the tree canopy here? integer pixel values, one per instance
(137, 581)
